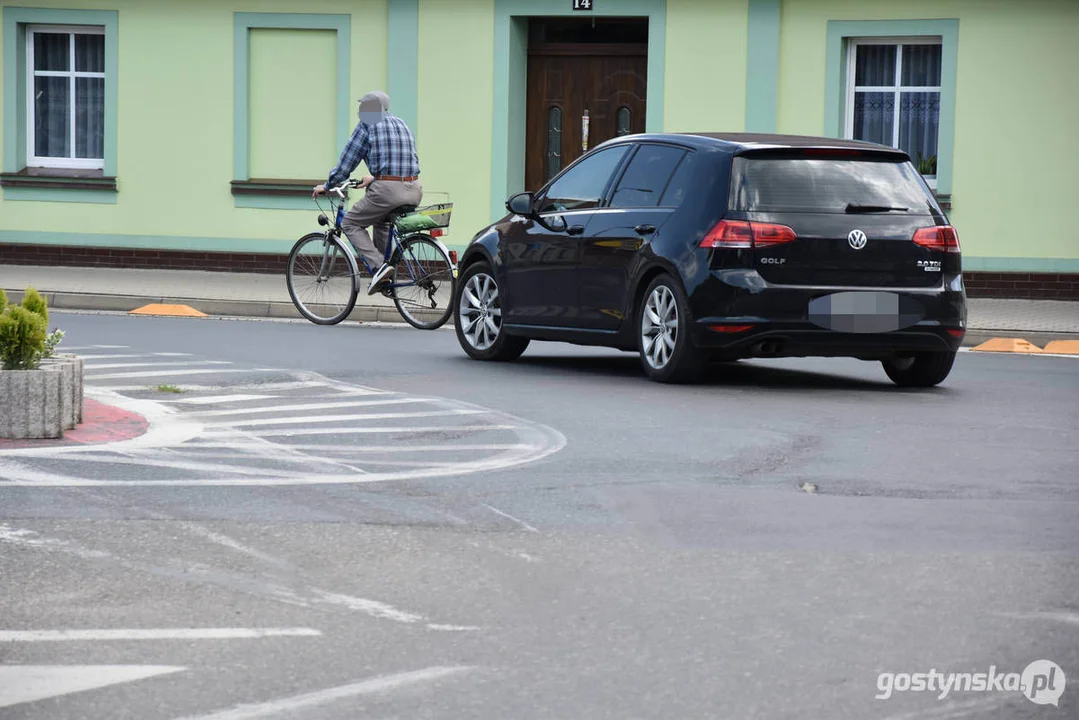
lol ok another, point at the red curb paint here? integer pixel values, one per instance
(101, 423)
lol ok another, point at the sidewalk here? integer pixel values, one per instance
(261, 295)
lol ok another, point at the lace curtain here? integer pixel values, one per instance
(897, 98)
(62, 70)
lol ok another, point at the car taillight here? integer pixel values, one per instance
(942, 238)
(742, 234)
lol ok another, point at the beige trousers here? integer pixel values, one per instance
(381, 199)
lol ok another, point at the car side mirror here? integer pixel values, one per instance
(521, 204)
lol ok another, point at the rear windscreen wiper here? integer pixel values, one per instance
(854, 208)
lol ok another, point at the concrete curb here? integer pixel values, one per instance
(231, 308)
(372, 313)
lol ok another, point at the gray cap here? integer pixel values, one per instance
(375, 101)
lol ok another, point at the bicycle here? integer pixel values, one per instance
(425, 272)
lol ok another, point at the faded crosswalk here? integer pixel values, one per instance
(231, 424)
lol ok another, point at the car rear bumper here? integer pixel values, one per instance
(737, 313)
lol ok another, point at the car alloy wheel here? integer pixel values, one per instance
(659, 327)
(480, 313)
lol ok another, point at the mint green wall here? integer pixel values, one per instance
(455, 109)
(1015, 145)
(705, 71)
(292, 124)
(175, 149)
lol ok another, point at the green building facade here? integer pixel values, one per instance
(169, 133)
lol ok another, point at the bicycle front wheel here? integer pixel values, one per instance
(321, 277)
(423, 283)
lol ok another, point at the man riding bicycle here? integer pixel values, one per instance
(388, 147)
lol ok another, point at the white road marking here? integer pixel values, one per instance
(1070, 618)
(366, 430)
(187, 571)
(955, 711)
(27, 683)
(120, 356)
(171, 373)
(520, 522)
(451, 628)
(92, 368)
(314, 406)
(96, 347)
(374, 608)
(290, 706)
(153, 634)
(222, 399)
(309, 419)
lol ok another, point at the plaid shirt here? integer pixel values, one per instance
(388, 149)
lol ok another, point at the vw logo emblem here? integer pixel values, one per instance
(856, 239)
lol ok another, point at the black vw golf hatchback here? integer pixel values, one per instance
(699, 247)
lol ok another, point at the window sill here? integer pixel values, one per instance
(58, 179)
(944, 200)
(273, 194)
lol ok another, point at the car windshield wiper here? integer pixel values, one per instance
(855, 208)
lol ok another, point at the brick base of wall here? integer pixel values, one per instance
(12, 254)
(1043, 286)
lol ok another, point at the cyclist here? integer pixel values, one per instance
(385, 143)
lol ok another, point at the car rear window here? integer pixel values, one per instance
(824, 185)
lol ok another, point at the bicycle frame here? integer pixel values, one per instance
(391, 240)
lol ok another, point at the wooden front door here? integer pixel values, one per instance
(607, 82)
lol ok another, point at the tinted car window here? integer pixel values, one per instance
(646, 177)
(678, 185)
(582, 186)
(824, 185)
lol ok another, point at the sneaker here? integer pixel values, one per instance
(381, 276)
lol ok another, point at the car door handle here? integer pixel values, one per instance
(645, 229)
(575, 229)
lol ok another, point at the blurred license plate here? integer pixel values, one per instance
(865, 312)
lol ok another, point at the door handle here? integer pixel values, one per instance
(645, 229)
(575, 229)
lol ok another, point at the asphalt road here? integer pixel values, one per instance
(382, 528)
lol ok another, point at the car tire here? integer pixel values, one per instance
(478, 300)
(663, 317)
(923, 369)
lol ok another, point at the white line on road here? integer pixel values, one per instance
(27, 683)
(221, 399)
(292, 705)
(308, 419)
(955, 711)
(279, 407)
(120, 356)
(171, 373)
(96, 347)
(184, 363)
(520, 522)
(365, 430)
(153, 634)
(1070, 618)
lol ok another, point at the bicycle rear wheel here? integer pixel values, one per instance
(321, 278)
(424, 283)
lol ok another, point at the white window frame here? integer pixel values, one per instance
(896, 88)
(32, 160)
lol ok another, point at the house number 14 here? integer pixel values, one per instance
(582, 5)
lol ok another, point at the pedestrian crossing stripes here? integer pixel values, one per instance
(237, 425)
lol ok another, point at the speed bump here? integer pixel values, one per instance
(1063, 347)
(1012, 345)
(170, 310)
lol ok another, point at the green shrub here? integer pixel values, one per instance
(33, 302)
(51, 341)
(22, 338)
(3, 300)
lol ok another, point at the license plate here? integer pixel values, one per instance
(865, 312)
